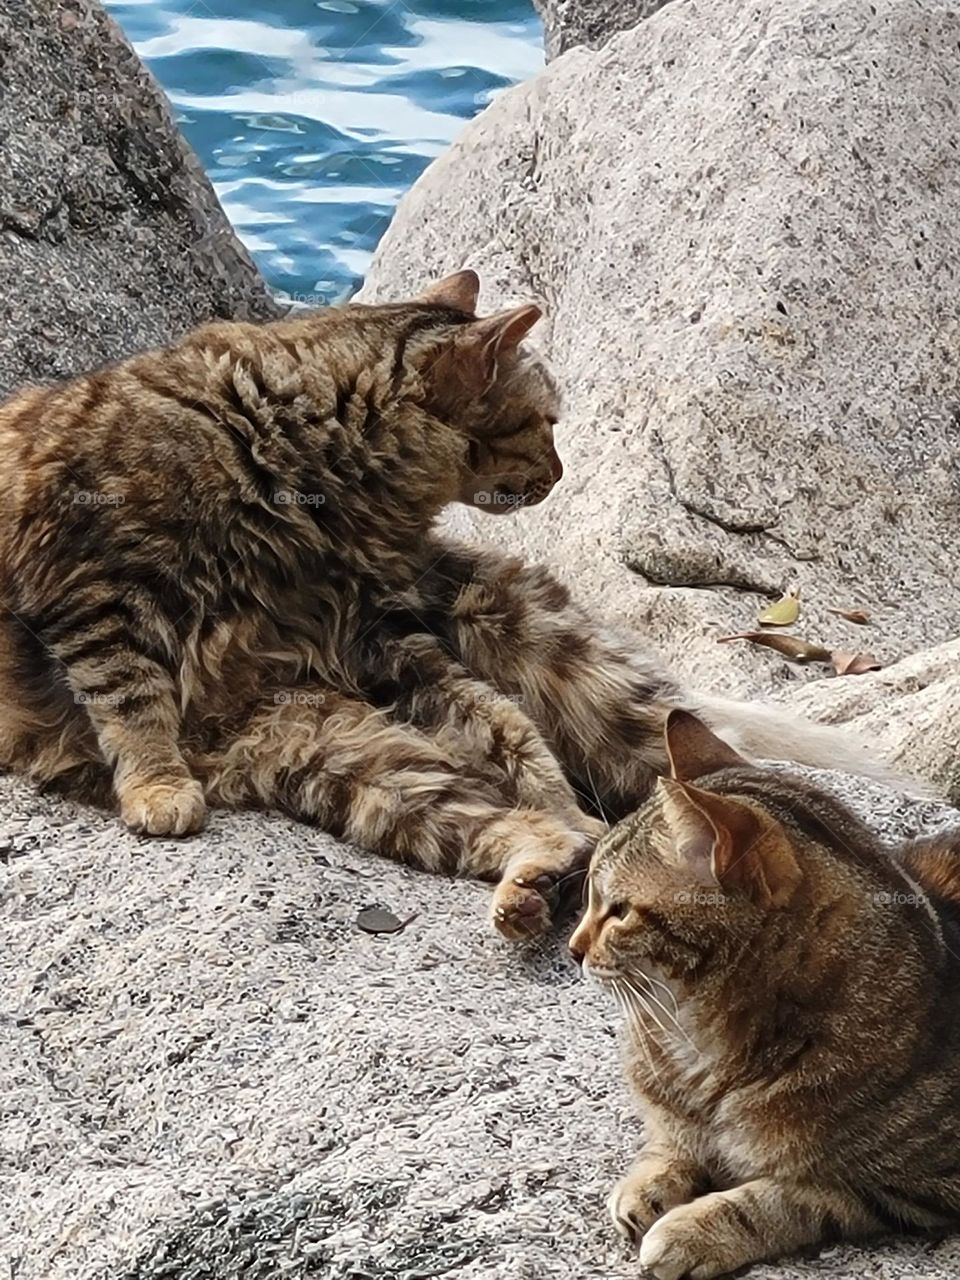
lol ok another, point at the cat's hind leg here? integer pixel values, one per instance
(472, 720)
(599, 704)
(337, 762)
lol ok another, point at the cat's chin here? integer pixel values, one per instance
(600, 975)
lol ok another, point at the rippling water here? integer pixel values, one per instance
(312, 117)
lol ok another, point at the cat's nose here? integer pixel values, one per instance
(556, 469)
(577, 949)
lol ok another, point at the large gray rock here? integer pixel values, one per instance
(592, 22)
(912, 709)
(111, 237)
(208, 1072)
(742, 222)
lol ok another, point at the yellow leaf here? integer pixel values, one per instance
(782, 614)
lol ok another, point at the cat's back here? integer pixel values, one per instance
(91, 464)
(83, 401)
(150, 417)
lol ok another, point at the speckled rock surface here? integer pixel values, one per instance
(111, 237)
(911, 708)
(209, 1073)
(592, 22)
(741, 221)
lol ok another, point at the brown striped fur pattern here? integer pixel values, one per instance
(222, 586)
(792, 999)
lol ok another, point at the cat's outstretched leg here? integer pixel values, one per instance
(600, 706)
(488, 731)
(358, 774)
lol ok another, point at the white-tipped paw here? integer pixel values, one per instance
(164, 809)
(679, 1247)
(521, 910)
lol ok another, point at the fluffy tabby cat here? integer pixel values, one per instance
(221, 585)
(792, 995)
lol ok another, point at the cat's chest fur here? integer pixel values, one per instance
(724, 1123)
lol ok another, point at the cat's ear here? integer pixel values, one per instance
(507, 329)
(727, 841)
(460, 291)
(694, 750)
(481, 345)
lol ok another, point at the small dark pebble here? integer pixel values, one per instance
(379, 920)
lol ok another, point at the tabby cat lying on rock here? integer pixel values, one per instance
(222, 586)
(792, 996)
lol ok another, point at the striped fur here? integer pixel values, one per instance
(221, 585)
(792, 992)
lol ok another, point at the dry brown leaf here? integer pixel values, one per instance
(859, 616)
(854, 664)
(791, 647)
(782, 614)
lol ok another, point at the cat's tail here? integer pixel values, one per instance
(768, 732)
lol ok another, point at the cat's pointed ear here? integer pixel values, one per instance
(481, 344)
(507, 329)
(694, 750)
(459, 291)
(727, 841)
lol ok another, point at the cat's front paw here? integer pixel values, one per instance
(646, 1193)
(684, 1245)
(541, 877)
(164, 808)
(524, 909)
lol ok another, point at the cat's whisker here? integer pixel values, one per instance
(571, 875)
(644, 998)
(672, 1019)
(634, 1009)
(579, 874)
(662, 986)
(624, 1005)
(672, 1014)
(595, 797)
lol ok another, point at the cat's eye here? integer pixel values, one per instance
(617, 910)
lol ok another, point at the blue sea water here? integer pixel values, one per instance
(312, 117)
